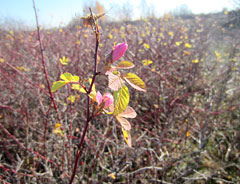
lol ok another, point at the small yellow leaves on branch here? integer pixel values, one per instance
(195, 61)
(64, 60)
(21, 68)
(170, 33)
(112, 175)
(72, 98)
(147, 46)
(218, 55)
(187, 45)
(178, 43)
(147, 62)
(58, 130)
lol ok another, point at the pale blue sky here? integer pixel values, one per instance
(57, 12)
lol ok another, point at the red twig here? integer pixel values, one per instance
(22, 146)
(43, 58)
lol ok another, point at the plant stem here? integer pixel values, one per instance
(80, 146)
(43, 58)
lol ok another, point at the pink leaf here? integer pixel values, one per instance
(99, 98)
(128, 113)
(118, 51)
(114, 82)
(107, 99)
(124, 123)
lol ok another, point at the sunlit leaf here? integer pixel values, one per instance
(79, 88)
(125, 65)
(195, 61)
(114, 82)
(72, 98)
(64, 60)
(147, 46)
(187, 45)
(128, 113)
(112, 175)
(178, 43)
(147, 62)
(57, 130)
(127, 137)
(68, 77)
(124, 122)
(58, 84)
(121, 100)
(135, 81)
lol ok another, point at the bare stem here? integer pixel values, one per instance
(43, 58)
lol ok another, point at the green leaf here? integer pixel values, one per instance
(135, 81)
(121, 100)
(125, 65)
(58, 84)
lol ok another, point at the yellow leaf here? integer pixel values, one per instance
(110, 36)
(112, 175)
(60, 30)
(64, 60)
(135, 81)
(146, 62)
(11, 32)
(226, 12)
(143, 34)
(234, 68)
(218, 55)
(125, 65)
(187, 45)
(21, 68)
(72, 98)
(187, 53)
(187, 134)
(127, 137)
(58, 130)
(1, 60)
(195, 61)
(178, 43)
(147, 46)
(170, 33)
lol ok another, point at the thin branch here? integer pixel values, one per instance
(89, 118)
(43, 59)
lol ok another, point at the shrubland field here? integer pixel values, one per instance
(187, 128)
